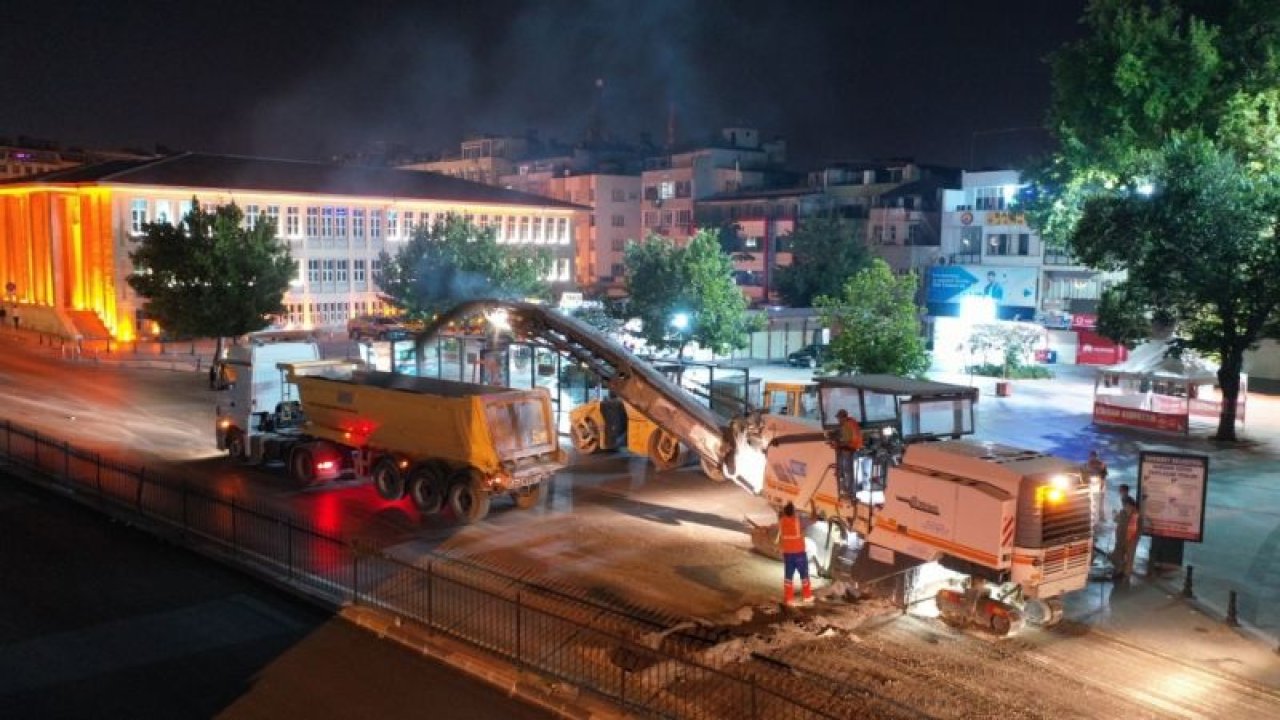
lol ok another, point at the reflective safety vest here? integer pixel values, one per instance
(792, 537)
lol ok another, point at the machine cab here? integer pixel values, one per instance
(910, 410)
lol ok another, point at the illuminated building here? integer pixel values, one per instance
(65, 236)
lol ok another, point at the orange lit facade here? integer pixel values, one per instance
(65, 237)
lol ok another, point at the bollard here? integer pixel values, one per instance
(1186, 583)
(1232, 618)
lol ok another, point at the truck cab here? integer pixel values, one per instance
(258, 400)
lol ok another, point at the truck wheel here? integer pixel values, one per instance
(427, 488)
(531, 496)
(388, 480)
(470, 503)
(665, 450)
(586, 436)
(302, 466)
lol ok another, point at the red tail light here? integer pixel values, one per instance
(325, 465)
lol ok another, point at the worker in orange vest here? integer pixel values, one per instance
(848, 444)
(794, 556)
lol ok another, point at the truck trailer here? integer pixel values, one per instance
(437, 441)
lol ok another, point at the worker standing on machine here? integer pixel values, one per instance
(848, 445)
(795, 557)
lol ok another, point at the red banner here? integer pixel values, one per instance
(1133, 417)
(1084, 321)
(1093, 349)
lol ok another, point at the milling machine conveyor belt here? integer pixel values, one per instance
(634, 380)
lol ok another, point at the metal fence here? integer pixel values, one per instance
(593, 646)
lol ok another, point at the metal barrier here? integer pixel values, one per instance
(542, 629)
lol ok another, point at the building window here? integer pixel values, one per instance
(524, 229)
(914, 234)
(162, 211)
(511, 229)
(1024, 244)
(375, 269)
(137, 215)
(291, 221)
(650, 218)
(751, 243)
(357, 222)
(340, 222)
(251, 213)
(877, 234)
(357, 272)
(564, 231)
(666, 218)
(392, 229)
(273, 215)
(407, 223)
(313, 271)
(998, 244)
(684, 188)
(342, 272)
(666, 190)
(684, 217)
(375, 223)
(619, 195)
(619, 245)
(313, 222)
(563, 275)
(619, 220)
(618, 270)
(893, 234)
(538, 229)
(329, 267)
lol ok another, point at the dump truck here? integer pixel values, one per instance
(1015, 524)
(439, 442)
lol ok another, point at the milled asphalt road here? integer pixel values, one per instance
(99, 620)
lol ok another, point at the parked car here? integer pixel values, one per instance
(808, 356)
(377, 327)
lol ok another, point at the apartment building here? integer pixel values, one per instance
(67, 235)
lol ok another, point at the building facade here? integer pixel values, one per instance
(66, 236)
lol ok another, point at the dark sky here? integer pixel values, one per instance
(853, 79)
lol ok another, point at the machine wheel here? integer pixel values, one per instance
(302, 466)
(236, 445)
(428, 485)
(1006, 623)
(530, 496)
(665, 450)
(813, 362)
(586, 436)
(712, 470)
(387, 479)
(470, 502)
(1044, 613)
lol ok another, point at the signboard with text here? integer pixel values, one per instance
(1173, 488)
(1008, 286)
(1104, 414)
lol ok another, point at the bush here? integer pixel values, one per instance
(1020, 372)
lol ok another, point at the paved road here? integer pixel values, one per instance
(98, 620)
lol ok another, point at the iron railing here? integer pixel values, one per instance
(538, 628)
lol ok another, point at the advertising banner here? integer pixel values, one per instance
(1172, 488)
(1134, 417)
(1094, 349)
(1008, 286)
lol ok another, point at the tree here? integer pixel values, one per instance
(875, 323)
(452, 261)
(824, 254)
(697, 279)
(211, 276)
(1015, 342)
(1169, 170)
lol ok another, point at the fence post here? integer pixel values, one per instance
(288, 528)
(235, 539)
(66, 460)
(1233, 618)
(1186, 582)
(431, 573)
(519, 662)
(355, 575)
(142, 478)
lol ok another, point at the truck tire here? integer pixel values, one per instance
(469, 501)
(387, 479)
(531, 496)
(665, 450)
(711, 469)
(428, 486)
(586, 436)
(302, 466)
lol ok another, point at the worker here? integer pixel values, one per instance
(848, 445)
(795, 557)
(1096, 467)
(1126, 538)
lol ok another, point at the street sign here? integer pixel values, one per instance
(1172, 488)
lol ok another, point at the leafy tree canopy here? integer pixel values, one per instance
(825, 252)
(875, 324)
(453, 261)
(209, 276)
(1169, 170)
(697, 280)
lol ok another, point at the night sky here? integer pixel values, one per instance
(935, 80)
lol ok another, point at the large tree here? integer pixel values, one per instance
(1169, 170)
(875, 324)
(825, 252)
(454, 260)
(664, 280)
(209, 275)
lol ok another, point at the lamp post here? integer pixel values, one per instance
(680, 321)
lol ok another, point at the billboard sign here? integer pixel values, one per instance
(1173, 488)
(1008, 286)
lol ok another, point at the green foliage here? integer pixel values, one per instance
(824, 254)
(209, 276)
(697, 279)
(453, 261)
(1181, 96)
(875, 324)
(999, 370)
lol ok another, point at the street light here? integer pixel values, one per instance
(680, 321)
